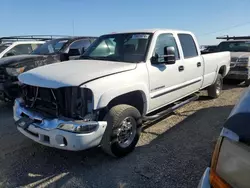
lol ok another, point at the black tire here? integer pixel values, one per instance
(236, 82)
(215, 90)
(115, 117)
(247, 83)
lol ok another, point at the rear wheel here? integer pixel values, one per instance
(215, 90)
(123, 130)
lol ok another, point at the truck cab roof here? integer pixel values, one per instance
(153, 31)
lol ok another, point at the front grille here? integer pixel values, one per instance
(68, 102)
(2, 75)
(238, 68)
(42, 99)
(234, 59)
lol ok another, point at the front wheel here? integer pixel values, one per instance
(215, 90)
(123, 130)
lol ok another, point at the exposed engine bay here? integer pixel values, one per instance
(68, 102)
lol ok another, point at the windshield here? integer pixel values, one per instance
(50, 47)
(3, 47)
(128, 47)
(235, 46)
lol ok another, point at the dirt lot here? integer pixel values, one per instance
(174, 153)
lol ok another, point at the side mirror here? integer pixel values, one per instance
(83, 50)
(64, 57)
(169, 55)
(74, 52)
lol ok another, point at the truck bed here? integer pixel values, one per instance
(213, 61)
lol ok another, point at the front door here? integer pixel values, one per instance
(165, 79)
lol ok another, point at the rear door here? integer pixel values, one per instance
(192, 63)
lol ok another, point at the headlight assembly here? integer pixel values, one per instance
(85, 127)
(230, 164)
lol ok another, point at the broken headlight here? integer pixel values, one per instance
(15, 71)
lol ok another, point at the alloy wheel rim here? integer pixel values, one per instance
(126, 132)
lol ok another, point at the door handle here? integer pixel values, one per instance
(181, 68)
(198, 64)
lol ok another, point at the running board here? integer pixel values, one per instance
(169, 110)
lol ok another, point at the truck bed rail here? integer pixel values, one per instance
(30, 37)
(233, 37)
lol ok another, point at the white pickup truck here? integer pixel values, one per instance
(120, 81)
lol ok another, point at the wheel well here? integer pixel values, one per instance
(222, 70)
(135, 99)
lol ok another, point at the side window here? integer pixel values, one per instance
(78, 47)
(188, 45)
(105, 48)
(19, 50)
(35, 46)
(162, 41)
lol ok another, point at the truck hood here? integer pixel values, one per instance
(240, 54)
(18, 60)
(72, 73)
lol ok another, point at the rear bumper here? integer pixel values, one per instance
(204, 182)
(46, 132)
(238, 75)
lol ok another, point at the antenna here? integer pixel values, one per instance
(73, 27)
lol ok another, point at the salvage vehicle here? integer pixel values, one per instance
(240, 54)
(121, 80)
(230, 163)
(55, 50)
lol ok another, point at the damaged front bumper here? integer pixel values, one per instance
(47, 131)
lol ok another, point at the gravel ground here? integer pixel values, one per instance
(172, 153)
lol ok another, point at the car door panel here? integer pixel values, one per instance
(193, 64)
(164, 79)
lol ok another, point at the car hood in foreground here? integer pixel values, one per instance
(72, 73)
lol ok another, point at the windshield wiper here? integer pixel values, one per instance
(86, 57)
(101, 58)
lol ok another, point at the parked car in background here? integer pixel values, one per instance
(19, 47)
(209, 49)
(230, 163)
(240, 54)
(120, 81)
(55, 50)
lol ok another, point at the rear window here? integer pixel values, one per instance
(188, 45)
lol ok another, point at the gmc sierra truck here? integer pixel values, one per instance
(118, 83)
